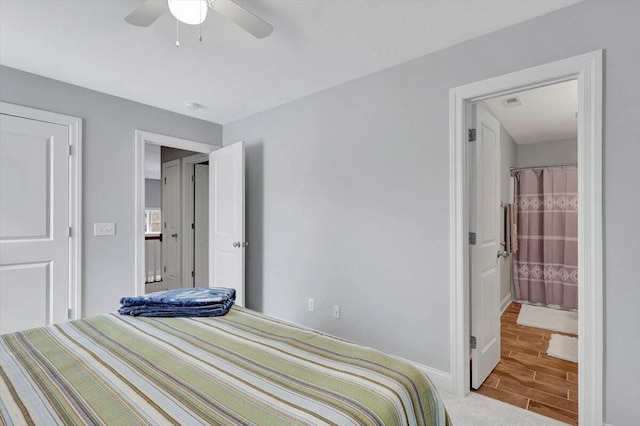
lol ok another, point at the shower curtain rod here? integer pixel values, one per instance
(513, 169)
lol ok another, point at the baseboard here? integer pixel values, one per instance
(440, 379)
(505, 303)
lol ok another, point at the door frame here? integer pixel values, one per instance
(188, 254)
(74, 126)
(141, 139)
(587, 69)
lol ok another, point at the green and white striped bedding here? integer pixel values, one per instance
(243, 368)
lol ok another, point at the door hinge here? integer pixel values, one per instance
(69, 232)
(165, 181)
(472, 135)
(165, 225)
(69, 313)
(193, 274)
(193, 178)
(193, 226)
(70, 150)
(164, 269)
(472, 238)
(472, 342)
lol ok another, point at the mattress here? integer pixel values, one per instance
(243, 368)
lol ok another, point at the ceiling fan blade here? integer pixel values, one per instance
(242, 17)
(147, 13)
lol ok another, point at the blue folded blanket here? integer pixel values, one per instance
(200, 302)
(216, 310)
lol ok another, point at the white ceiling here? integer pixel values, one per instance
(315, 45)
(546, 114)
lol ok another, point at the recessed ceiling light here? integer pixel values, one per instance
(194, 105)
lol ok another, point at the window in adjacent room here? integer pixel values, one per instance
(152, 221)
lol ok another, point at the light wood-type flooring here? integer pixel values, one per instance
(527, 377)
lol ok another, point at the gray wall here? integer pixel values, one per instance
(152, 194)
(108, 171)
(508, 159)
(348, 193)
(547, 153)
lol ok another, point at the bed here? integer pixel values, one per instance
(243, 368)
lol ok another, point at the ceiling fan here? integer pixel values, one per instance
(194, 12)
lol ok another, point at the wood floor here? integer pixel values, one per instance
(527, 377)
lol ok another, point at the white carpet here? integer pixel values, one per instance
(563, 347)
(548, 319)
(478, 410)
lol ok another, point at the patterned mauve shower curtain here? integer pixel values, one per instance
(546, 261)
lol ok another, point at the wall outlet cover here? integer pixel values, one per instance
(104, 229)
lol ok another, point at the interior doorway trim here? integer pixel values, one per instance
(143, 138)
(74, 126)
(587, 70)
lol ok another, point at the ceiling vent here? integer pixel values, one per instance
(512, 101)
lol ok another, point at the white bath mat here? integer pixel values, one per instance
(563, 347)
(548, 319)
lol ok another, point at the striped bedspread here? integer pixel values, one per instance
(243, 368)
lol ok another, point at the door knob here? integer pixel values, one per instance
(503, 253)
(241, 244)
(174, 235)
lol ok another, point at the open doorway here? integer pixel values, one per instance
(587, 70)
(225, 217)
(524, 208)
(176, 218)
(165, 209)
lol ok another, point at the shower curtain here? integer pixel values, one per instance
(546, 261)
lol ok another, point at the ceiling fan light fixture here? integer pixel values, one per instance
(192, 12)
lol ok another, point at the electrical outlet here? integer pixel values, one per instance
(311, 304)
(336, 311)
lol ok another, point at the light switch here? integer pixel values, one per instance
(102, 229)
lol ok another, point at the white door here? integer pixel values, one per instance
(201, 226)
(226, 226)
(34, 223)
(485, 270)
(171, 233)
